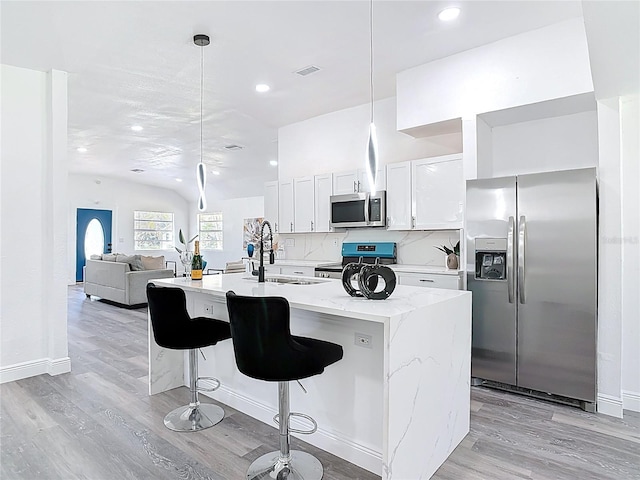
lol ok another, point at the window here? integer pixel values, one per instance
(210, 230)
(153, 230)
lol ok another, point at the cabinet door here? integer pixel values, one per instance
(285, 206)
(345, 182)
(271, 204)
(431, 280)
(322, 192)
(303, 215)
(363, 180)
(399, 196)
(437, 190)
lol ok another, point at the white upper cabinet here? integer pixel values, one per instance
(322, 191)
(363, 180)
(345, 182)
(399, 196)
(437, 187)
(271, 204)
(303, 205)
(285, 206)
(357, 181)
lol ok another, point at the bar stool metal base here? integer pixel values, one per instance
(301, 466)
(193, 418)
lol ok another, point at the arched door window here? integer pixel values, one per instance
(94, 239)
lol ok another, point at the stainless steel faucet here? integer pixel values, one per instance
(271, 256)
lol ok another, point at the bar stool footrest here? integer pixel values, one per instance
(208, 389)
(276, 419)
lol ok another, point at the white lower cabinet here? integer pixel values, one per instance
(432, 280)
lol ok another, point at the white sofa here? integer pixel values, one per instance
(115, 281)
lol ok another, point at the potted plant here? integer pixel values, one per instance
(452, 254)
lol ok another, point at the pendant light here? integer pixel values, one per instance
(372, 147)
(202, 41)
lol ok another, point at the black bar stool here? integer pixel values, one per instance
(265, 349)
(173, 328)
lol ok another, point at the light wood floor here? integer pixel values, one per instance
(98, 422)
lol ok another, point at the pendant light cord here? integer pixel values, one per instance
(371, 54)
(201, 94)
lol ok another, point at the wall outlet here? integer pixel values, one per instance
(335, 242)
(362, 340)
(290, 242)
(208, 308)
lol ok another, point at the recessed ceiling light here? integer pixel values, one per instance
(178, 179)
(81, 150)
(136, 128)
(273, 163)
(449, 14)
(137, 170)
(261, 87)
(215, 172)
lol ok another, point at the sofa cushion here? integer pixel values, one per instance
(95, 257)
(109, 257)
(134, 261)
(153, 263)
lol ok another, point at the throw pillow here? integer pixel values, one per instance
(95, 257)
(134, 261)
(109, 257)
(153, 263)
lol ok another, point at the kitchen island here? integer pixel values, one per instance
(397, 403)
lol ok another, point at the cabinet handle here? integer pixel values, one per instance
(291, 228)
(312, 225)
(355, 190)
(298, 273)
(426, 280)
(413, 222)
(276, 224)
(358, 185)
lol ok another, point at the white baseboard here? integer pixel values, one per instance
(353, 452)
(631, 401)
(609, 405)
(22, 370)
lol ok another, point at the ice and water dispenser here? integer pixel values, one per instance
(491, 258)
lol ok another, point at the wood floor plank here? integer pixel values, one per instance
(99, 423)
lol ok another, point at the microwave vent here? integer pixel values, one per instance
(303, 72)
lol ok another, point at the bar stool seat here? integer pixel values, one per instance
(173, 328)
(265, 350)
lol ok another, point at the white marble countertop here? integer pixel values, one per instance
(304, 263)
(328, 296)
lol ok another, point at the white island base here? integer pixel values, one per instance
(397, 406)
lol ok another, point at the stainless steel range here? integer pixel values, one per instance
(351, 252)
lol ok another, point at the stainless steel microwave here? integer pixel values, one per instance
(359, 210)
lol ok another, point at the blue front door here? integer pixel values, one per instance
(93, 236)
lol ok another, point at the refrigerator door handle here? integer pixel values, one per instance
(522, 235)
(510, 260)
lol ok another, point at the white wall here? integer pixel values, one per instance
(33, 306)
(337, 142)
(123, 198)
(556, 143)
(630, 244)
(550, 62)
(234, 211)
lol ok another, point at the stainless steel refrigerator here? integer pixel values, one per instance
(532, 268)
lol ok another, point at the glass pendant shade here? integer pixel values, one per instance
(201, 174)
(372, 158)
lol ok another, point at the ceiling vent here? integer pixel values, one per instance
(137, 170)
(307, 70)
(233, 147)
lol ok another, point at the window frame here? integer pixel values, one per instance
(203, 244)
(165, 245)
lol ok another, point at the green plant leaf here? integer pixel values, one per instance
(195, 236)
(178, 250)
(181, 238)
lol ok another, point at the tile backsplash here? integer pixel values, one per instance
(414, 247)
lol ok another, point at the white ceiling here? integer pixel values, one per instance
(135, 63)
